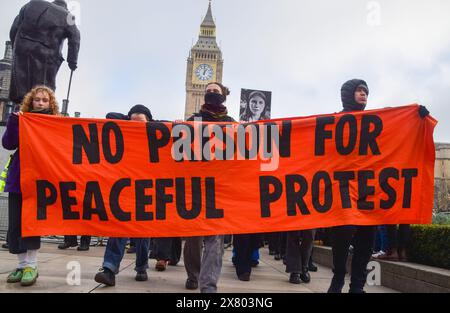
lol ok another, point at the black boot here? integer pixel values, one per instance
(304, 276)
(83, 247)
(66, 245)
(141, 276)
(294, 278)
(191, 284)
(106, 277)
(337, 283)
(311, 266)
(84, 243)
(245, 276)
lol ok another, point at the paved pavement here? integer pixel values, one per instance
(268, 277)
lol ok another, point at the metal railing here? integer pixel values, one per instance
(3, 215)
(4, 225)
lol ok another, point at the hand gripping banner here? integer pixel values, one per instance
(133, 179)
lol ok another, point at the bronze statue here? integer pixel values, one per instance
(37, 36)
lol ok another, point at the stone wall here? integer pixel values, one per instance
(442, 178)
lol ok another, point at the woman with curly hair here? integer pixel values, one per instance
(40, 100)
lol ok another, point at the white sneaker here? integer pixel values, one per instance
(378, 254)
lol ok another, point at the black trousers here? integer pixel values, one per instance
(298, 250)
(227, 239)
(244, 245)
(362, 238)
(168, 249)
(84, 240)
(277, 242)
(398, 238)
(17, 243)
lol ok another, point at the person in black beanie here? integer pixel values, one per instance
(115, 247)
(140, 112)
(354, 95)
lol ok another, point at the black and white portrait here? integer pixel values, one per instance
(255, 105)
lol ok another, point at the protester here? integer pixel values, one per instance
(167, 252)
(132, 248)
(206, 269)
(398, 239)
(354, 95)
(71, 241)
(40, 100)
(245, 246)
(228, 241)
(298, 254)
(115, 248)
(381, 242)
(277, 245)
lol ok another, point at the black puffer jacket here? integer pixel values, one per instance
(348, 95)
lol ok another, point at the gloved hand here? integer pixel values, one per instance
(423, 112)
(73, 66)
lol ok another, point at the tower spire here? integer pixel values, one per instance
(209, 21)
(204, 65)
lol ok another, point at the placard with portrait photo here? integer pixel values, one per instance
(255, 105)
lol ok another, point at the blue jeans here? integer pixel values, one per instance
(115, 250)
(381, 240)
(255, 255)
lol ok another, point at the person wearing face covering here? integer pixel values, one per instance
(204, 270)
(214, 109)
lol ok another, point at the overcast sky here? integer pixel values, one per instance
(302, 50)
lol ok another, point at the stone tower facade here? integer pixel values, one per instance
(442, 178)
(204, 65)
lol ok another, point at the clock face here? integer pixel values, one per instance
(204, 72)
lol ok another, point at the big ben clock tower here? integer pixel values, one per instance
(204, 65)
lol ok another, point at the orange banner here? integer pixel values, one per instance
(131, 179)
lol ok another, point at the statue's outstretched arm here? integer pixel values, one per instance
(73, 36)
